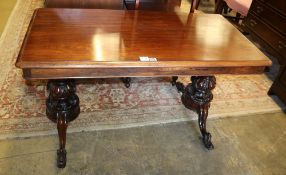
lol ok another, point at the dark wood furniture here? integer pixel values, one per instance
(156, 5)
(220, 6)
(97, 4)
(66, 44)
(279, 86)
(266, 22)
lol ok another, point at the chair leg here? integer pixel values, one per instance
(220, 6)
(194, 5)
(238, 15)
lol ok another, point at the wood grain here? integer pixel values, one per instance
(156, 5)
(54, 73)
(85, 39)
(99, 4)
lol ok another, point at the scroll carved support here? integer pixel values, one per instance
(62, 108)
(197, 96)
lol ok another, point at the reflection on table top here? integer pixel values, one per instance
(70, 37)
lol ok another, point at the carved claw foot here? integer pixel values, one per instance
(197, 96)
(62, 158)
(62, 107)
(207, 141)
(126, 81)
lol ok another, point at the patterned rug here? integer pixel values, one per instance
(106, 103)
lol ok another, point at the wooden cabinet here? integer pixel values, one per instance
(266, 22)
(279, 86)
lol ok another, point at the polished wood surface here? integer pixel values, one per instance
(157, 5)
(99, 4)
(73, 38)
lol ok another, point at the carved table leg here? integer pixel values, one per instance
(197, 95)
(62, 108)
(126, 81)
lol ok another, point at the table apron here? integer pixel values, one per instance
(61, 73)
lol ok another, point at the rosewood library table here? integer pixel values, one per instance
(62, 45)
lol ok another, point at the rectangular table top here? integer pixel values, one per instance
(89, 38)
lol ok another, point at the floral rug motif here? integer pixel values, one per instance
(106, 103)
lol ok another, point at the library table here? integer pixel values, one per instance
(62, 45)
